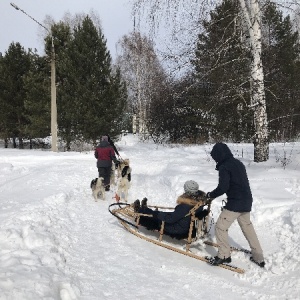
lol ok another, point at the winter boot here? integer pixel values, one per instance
(260, 264)
(215, 261)
(136, 205)
(107, 187)
(144, 202)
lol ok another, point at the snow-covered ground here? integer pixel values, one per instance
(56, 242)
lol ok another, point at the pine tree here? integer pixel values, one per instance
(15, 64)
(92, 97)
(37, 100)
(66, 109)
(251, 11)
(4, 132)
(221, 71)
(282, 73)
(222, 68)
(94, 71)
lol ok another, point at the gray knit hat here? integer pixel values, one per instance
(191, 187)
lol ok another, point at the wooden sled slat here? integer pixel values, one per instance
(129, 223)
(187, 253)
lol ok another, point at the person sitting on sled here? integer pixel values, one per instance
(177, 223)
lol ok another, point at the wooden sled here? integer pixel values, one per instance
(198, 229)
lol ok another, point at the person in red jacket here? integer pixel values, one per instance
(105, 154)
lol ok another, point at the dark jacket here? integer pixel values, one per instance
(233, 180)
(176, 223)
(105, 154)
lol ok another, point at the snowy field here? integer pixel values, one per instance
(56, 242)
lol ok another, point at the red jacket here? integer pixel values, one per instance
(105, 154)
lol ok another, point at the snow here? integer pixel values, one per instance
(56, 242)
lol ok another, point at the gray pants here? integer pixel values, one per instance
(225, 220)
(105, 173)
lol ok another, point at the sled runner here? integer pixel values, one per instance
(210, 243)
(198, 229)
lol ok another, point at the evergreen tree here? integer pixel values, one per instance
(14, 66)
(91, 97)
(173, 115)
(37, 100)
(67, 111)
(282, 73)
(92, 63)
(4, 132)
(221, 70)
(118, 97)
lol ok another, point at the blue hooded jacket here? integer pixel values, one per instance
(233, 180)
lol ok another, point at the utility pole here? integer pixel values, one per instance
(53, 84)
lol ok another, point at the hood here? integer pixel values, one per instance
(220, 152)
(104, 144)
(191, 200)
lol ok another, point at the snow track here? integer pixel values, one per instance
(57, 243)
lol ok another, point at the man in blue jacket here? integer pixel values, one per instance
(233, 181)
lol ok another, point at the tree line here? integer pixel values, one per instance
(91, 94)
(211, 102)
(214, 101)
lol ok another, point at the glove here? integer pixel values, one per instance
(117, 163)
(208, 198)
(202, 214)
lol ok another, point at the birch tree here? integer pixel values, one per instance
(142, 72)
(252, 15)
(251, 10)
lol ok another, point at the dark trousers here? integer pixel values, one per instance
(151, 223)
(105, 173)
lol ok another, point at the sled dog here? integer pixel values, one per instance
(113, 174)
(98, 188)
(124, 180)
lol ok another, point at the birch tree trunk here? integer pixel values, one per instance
(252, 14)
(141, 69)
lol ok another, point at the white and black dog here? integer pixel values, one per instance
(124, 172)
(113, 174)
(98, 188)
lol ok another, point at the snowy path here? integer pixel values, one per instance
(57, 243)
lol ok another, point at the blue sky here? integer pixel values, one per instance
(15, 26)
